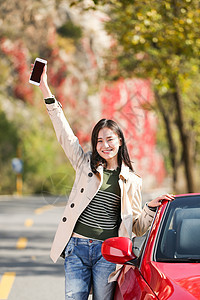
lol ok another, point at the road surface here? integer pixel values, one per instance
(27, 228)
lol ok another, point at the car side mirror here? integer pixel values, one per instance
(118, 250)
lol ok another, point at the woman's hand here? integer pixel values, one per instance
(43, 83)
(157, 201)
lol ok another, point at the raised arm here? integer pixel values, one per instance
(64, 133)
(44, 84)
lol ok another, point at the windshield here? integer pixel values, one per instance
(179, 238)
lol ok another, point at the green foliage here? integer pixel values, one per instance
(31, 131)
(69, 30)
(43, 157)
(9, 140)
(160, 40)
(155, 38)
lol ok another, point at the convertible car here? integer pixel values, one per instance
(165, 262)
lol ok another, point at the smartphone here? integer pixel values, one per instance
(37, 71)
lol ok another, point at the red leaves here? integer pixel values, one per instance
(124, 102)
(17, 54)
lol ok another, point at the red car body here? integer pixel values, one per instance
(146, 278)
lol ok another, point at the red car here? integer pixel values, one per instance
(165, 262)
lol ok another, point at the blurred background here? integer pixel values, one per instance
(136, 62)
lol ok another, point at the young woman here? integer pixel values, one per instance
(105, 202)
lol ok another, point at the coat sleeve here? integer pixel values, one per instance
(142, 218)
(65, 135)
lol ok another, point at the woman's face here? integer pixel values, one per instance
(108, 144)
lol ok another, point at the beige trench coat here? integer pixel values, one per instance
(87, 184)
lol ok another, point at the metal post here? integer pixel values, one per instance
(19, 184)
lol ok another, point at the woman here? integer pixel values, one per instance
(105, 202)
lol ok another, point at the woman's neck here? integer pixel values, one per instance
(112, 166)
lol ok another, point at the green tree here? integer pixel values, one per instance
(160, 40)
(9, 140)
(43, 157)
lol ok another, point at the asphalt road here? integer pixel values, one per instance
(27, 228)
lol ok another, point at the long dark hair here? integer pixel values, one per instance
(123, 155)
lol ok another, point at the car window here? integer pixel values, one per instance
(179, 239)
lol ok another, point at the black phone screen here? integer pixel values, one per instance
(37, 71)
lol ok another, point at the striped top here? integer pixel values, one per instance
(101, 218)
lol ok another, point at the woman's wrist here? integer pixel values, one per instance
(152, 208)
(46, 91)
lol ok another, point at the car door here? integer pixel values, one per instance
(131, 284)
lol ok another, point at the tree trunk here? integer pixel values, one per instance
(187, 157)
(169, 135)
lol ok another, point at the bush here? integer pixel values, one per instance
(9, 139)
(69, 30)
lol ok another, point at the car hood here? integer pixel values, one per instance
(175, 280)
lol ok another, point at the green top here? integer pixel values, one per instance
(101, 218)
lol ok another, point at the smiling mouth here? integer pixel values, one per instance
(107, 151)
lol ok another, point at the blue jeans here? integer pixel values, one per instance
(86, 267)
